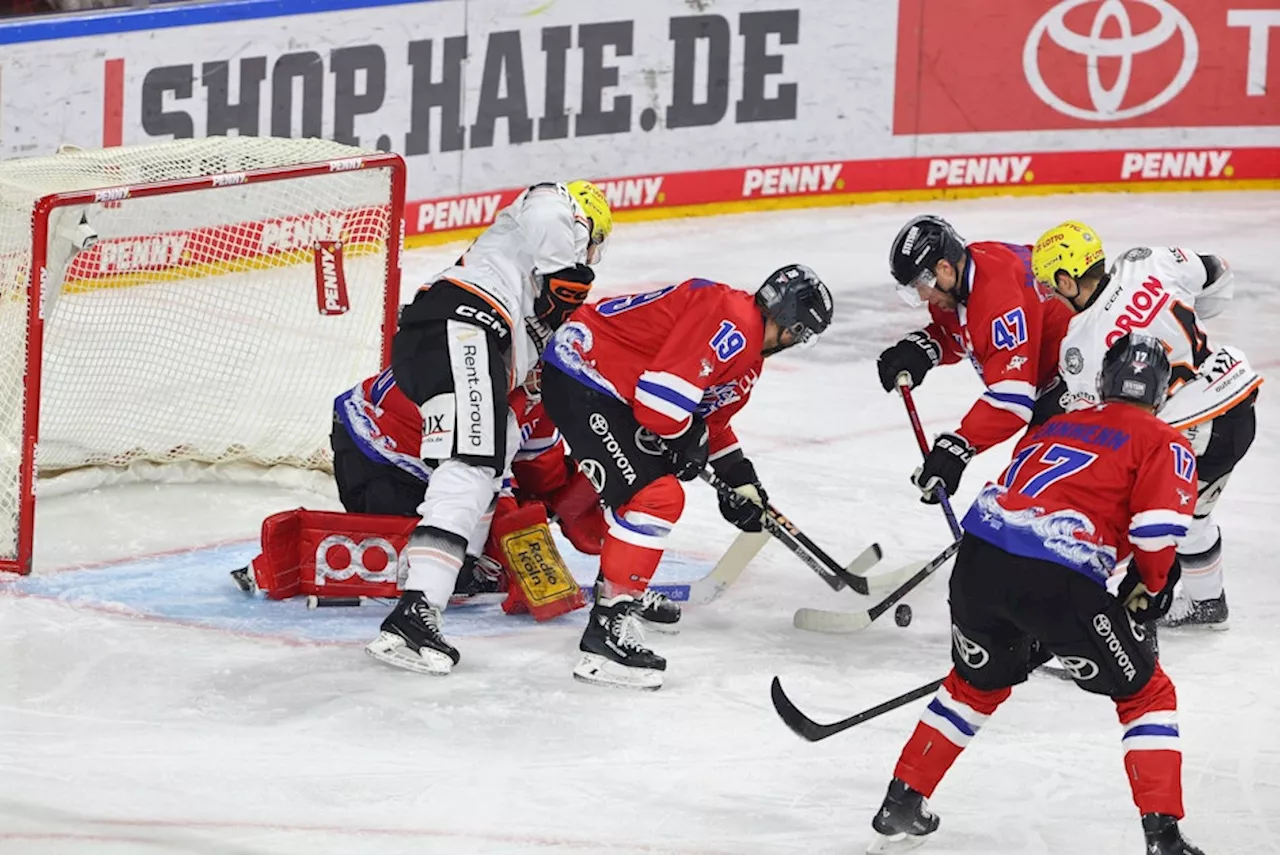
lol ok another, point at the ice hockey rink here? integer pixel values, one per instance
(126, 728)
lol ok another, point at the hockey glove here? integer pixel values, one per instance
(562, 292)
(745, 506)
(1144, 605)
(943, 467)
(914, 355)
(687, 453)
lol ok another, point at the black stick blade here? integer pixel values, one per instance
(801, 725)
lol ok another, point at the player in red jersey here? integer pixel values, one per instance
(643, 387)
(986, 305)
(1084, 491)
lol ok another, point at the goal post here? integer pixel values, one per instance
(196, 302)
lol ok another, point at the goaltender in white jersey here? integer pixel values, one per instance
(1165, 292)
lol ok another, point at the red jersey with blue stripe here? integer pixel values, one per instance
(1010, 328)
(689, 348)
(388, 428)
(1088, 488)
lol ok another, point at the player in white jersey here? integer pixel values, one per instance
(1166, 292)
(470, 336)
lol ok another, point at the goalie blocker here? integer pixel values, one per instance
(334, 554)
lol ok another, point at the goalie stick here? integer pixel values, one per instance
(807, 728)
(821, 620)
(795, 540)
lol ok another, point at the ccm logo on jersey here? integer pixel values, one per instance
(373, 559)
(1141, 309)
(481, 318)
(331, 281)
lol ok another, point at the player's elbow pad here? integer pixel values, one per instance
(1215, 268)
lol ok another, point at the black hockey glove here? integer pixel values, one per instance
(943, 467)
(687, 453)
(1141, 603)
(914, 355)
(744, 507)
(562, 292)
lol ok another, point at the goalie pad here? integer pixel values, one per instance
(332, 554)
(580, 514)
(540, 582)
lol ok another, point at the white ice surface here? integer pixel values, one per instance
(124, 734)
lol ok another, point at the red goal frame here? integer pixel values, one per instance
(38, 284)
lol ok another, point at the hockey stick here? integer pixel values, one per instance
(836, 576)
(807, 728)
(904, 389)
(821, 620)
(745, 547)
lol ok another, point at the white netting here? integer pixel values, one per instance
(192, 330)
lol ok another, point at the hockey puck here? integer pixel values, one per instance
(314, 602)
(902, 615)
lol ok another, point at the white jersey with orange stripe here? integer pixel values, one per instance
(544, 230)
(1165, 292)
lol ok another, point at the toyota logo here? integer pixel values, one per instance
(1102, 625)
(599, 424)
(1092, 46)
(1079, 668)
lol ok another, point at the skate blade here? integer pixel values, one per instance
(1220, 626)
(390, 649)
(599, 671)
(660, 628)
(883, 844)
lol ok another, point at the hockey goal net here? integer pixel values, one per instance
(197, 302)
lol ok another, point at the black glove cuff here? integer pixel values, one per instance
(735, 469)
(931, 348)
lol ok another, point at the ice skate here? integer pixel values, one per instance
(1164, 837)
(903, 822)
(613, 651)
(410, 638)
(1206, 614)
(481, 581)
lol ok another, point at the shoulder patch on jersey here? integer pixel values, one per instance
(1074, 360)
(1138, 253)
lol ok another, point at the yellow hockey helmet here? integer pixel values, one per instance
(596, 207)
(1071, 247)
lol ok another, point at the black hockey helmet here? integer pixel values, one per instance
(795, 298)
(919, 246)
(1136, 368)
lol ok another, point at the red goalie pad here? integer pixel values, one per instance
(331, 554)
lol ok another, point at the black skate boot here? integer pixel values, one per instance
(904, 820)
(1164, 838)
(658, 612)
(411, 639)
(613, 651)
(655, 609)
(481, 580)
(1206, 614)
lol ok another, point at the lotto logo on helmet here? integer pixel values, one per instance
(1127, 42)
